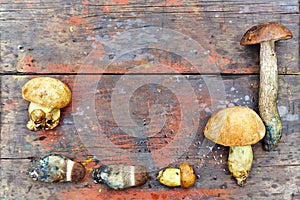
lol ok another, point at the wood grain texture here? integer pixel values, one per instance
(44, 37)
(105, 50)
(270, 170)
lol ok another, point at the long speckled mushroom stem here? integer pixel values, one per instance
(268, 92)
(266, 34)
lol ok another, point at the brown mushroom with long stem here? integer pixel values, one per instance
(266, 34)
(238, 127)
(47, 96)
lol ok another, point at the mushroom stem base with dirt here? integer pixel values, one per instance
(240, 162)
(268, 93)
(42, 117)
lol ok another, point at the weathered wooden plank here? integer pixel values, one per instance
(271, 170)
(265, 182)
(56, 37)
(238, 90)
(88, 37)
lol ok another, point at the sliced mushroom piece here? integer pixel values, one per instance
(237, 127)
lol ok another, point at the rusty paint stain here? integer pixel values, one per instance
(173, 3)
(77, 21)
(86, 12)
(170, 3)
(218, 59)
(85, 2)
(121, 2)
(27, 63)
(10, 104)
(60, 68)
(106, 9)
(51, 138)
(177, 193)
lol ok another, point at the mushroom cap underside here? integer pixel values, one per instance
(266, 32)
(48, 92)
(235, 126)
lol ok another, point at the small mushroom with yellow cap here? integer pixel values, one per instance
(266, 34)
(238, 127)
(173, 177)
(47, 96)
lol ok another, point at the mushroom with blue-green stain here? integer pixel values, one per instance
(266, 34)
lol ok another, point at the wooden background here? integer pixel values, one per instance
(87, 45)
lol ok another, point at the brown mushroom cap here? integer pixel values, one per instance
(266, 32)
(187, 175)
(235, 126)
(48, 92)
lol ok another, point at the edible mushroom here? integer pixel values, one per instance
(46, 95)
(237, 127)
(55, 168)
(266, 34)
(119, 176)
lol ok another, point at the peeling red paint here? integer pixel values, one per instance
(85, 2)
(10, 104)
(27, 64)
(59, 68)
(121, 2)
(96, 192)
(51, 138)
(170, 3)
(106, 9)
(77, 21)
(174, 2)
(86, 12)
(218, 59)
